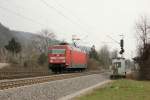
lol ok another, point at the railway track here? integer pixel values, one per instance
(35, 80)
(17, 75)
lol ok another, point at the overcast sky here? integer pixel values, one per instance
(93, 19)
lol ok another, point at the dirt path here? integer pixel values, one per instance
(2, 65)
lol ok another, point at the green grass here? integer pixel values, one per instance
(121, 90)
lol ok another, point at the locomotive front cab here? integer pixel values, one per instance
(57, 58)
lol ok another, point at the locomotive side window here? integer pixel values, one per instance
(57, 51)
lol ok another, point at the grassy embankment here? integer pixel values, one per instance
(121, 90)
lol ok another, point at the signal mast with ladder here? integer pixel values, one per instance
(118, 67)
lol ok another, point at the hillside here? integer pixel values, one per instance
(25, 38)
(6, 34)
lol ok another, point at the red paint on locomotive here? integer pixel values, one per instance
(63, 57)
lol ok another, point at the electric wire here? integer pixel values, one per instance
(20, 15)
(69, 11)
(60, 13)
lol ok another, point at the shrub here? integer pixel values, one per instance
(42, 59)
(93, 64)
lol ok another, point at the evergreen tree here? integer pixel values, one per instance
(93, 53)
(13, 46)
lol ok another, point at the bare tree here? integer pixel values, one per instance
(114, 54)
(104, 56)
(43, 40)
(142, 33)
(48, 37)
(143, 30)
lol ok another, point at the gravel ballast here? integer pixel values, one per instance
(51, 90)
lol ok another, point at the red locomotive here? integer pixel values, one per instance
(66, 58)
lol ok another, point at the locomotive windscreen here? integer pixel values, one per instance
(57, 51)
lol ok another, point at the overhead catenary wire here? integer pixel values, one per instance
(8, 1)
(62, 14)
(113, 39)
(20, 7)
(60, 5)
(34, 21)
(22, 16)
(69, 11)
(66, 17)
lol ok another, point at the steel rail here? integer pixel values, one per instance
(36, 80)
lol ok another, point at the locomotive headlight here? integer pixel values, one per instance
(63, 60)
(61, 57)
(51, 60)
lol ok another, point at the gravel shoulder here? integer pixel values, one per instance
(52, 90)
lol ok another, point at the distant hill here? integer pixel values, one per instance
(25, 38)
(5, 35)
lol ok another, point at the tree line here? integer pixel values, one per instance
(142, 28)
(102, 57)
(33, 56)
